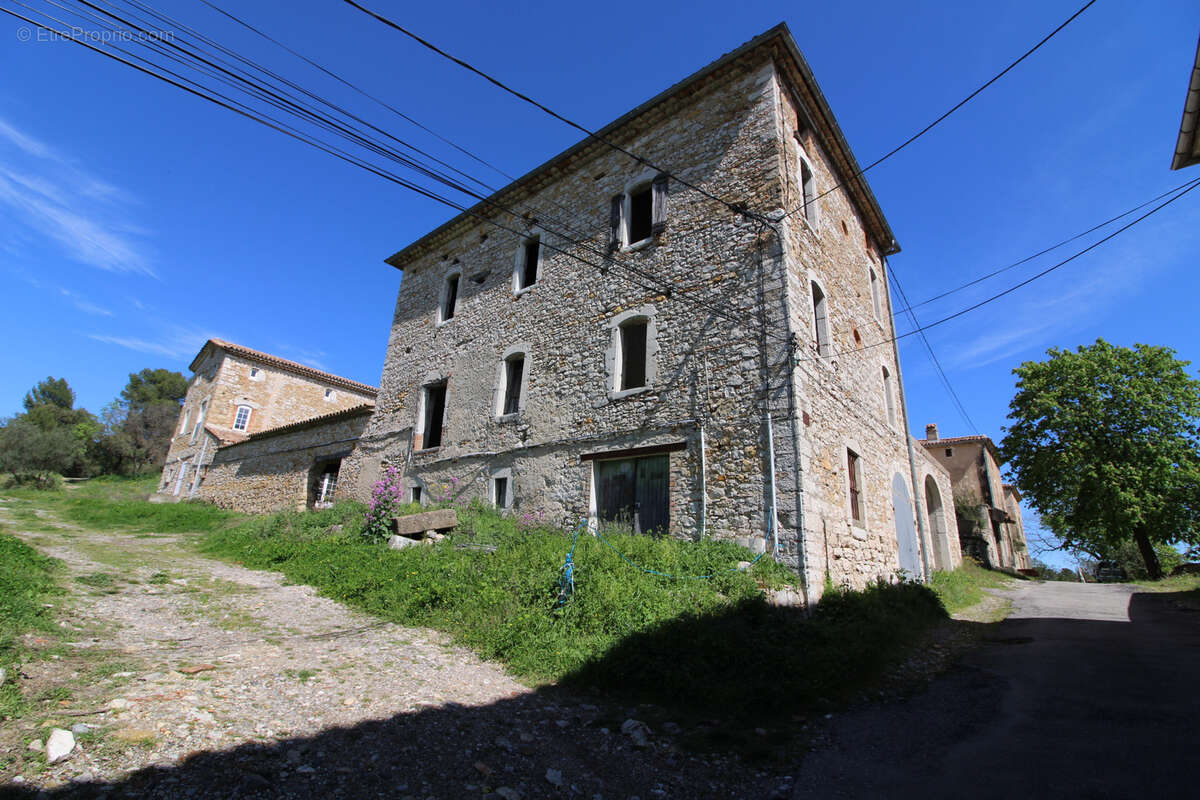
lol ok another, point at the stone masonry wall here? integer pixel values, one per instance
(707, 269)
(276, 397)
(273, 472)
(840, 396)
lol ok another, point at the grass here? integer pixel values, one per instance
(27, 581)
(963, 587)
(707, 644)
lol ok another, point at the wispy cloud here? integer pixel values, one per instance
(313, 358)
(81, 214)
(174, 342)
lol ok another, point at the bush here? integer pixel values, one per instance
(37, 479)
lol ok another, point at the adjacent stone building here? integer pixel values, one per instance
(989, 512)
(698, 342)
(235, 393)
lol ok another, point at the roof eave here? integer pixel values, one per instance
(778, 32)
(1187, 147)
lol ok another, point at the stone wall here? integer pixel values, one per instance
(274, 471)
(941, 523)
(728, 300)
(275, 395)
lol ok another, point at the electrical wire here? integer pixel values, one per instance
(940, 119)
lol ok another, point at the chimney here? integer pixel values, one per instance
(931, 431)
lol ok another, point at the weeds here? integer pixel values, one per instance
(26, 582)
(963, 587)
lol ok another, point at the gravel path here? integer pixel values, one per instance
(224, 682)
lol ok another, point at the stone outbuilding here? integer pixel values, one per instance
(941, 524)
(236, 392)
(696, 343)
(294, 466)
(988, 510)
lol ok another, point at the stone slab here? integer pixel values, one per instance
(438, 520)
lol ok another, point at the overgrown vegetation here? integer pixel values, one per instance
(494, 586)
(963, 587)
(26, 582)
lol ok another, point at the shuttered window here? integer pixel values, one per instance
(854, 478)
(641, 211)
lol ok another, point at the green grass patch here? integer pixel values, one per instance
(99, 513)
(711, 643)
(963, 587)
(27, 580)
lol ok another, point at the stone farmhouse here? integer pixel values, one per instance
(989, 513)
(698, 342)
(237, 394)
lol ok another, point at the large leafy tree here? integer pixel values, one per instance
(1105, 445)
(150, 402)
(152, 386)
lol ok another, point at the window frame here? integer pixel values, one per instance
(615, 355)
(519, 286)
(503, 376)
(245, 426)
(330, 395)
(448, 299)
(200, 420)
(187, 420)
(889, 399)
(621, 214)
(506, 475)
(821, 327)
(855, 489)
(806, 185)
(425, 414)
(876, 286)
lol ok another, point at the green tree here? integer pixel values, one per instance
(152, 386)
(1105, 445)
(27, 448)
(51, 392)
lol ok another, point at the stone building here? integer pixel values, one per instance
(988, 510)
(698, 342)
(937, 495)
(236, 392)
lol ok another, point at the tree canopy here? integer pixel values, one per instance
(1105, 445)
(153, 386)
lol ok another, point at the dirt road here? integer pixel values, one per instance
(187, 677)
(1085, 691)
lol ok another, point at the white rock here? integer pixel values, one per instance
(36, 746)
(636, 730)
(60, 745)
(554, 777)
(3, 675)
(400, 542)
(118, 704)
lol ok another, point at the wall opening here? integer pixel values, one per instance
(634, 492)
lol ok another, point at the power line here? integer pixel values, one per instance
(954, 108)
(737, 209)
(958, 403)
(1194, 184)
(1051, 248)
(274, 99)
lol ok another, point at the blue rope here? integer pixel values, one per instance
(566, 581)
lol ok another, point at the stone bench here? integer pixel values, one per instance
(424, 528)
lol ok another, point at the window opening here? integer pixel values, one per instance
(435, 411)
(514, 370)
(529, 266)
(889, 400)
(641, 213)
(242, 420)
(808, 189)
(876, 299)
(820, 320)
(416, 495)
(451, 298)
(633, 354)
(500, 492)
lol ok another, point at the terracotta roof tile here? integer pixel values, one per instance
(335, 416)
(286, 364)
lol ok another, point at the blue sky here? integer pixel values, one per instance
(136, 221)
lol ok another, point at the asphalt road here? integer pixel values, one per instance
(1085, 691)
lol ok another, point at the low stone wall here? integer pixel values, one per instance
(273, 471)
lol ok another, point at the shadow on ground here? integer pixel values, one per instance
(737, 696)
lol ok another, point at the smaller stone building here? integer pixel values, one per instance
(293, 466)
(236, 392)
(989, 513)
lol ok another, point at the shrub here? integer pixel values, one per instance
(37, 479)
(386, 496)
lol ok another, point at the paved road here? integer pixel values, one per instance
(1085, 691)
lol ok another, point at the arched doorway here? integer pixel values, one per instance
(906, 533)
(942, 554)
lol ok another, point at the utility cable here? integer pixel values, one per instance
(940, 119)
